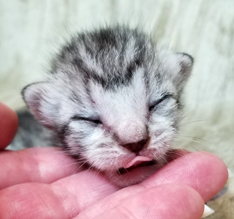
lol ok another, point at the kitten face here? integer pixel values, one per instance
(113, 99)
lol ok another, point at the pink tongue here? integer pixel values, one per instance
(136, 160)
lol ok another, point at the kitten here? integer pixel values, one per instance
(113, 99)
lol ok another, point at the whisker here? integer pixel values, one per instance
(192, 139)
(183, 124)
(185, 115)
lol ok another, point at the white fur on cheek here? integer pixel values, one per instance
(96, 146)
(161, 136)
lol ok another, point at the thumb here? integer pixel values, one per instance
(8, 125)
(161, 202)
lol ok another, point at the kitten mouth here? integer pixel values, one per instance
(137, 162)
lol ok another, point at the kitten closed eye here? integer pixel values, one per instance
(91, 120)
(157, 102)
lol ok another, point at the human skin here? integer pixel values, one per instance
(46, 183)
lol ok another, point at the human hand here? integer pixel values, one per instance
(46, 183)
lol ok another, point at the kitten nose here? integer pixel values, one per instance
(131, 132)
(135, 146)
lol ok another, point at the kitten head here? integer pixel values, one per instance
(114, 101)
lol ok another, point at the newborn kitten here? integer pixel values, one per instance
(113, 99)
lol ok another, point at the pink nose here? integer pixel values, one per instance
(135, 146)
(131, 132)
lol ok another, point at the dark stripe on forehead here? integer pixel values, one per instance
(104, 38)
(112, 77)
(108, 48)
(113, 82)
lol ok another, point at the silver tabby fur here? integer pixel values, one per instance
(111, 96)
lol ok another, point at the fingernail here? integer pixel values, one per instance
(207, 211)
(230, 174)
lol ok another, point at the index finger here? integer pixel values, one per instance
(45, 165)
(8, 125)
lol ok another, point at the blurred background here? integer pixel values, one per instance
(31, 31)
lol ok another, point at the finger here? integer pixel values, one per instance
(179, 172)
(162, 202)
(91, 189)
(8, 125)
(63, 199)
(202, 171)
(34, 200)
(39, 165)
(86, 189)
(35, 165)
(31, 200)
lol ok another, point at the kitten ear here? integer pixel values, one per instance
(186, 64)
(42, 101)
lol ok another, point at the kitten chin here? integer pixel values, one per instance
(127, 177)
